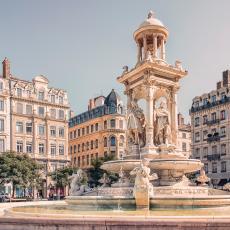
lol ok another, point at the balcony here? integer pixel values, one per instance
(213, 157)
(210, 105)
(213, 137)
(212, 122)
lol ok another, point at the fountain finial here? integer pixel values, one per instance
(150, 14)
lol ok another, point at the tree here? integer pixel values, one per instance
(61, 176)
(19, 170)
(96, 173)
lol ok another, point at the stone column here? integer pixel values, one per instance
(154, 46)
(145, 46)
(162, 49)
(139, 53)
(149, 116)
(174, 124)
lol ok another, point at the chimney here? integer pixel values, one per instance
(226, 78)
(6, 68)
(219, 85)
(91, 104)
(180, 119)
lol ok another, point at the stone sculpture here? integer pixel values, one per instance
(202, 178)
(163, 133)
(105, 180)
(78, 183)
(136, 125)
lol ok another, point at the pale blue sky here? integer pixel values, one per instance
(81, 46)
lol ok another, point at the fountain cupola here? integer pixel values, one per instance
(150, 38)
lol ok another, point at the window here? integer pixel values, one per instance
(197, 153)
(83, 160)
(78, 161)
(87, 159)
(223, 96)
(214, 167)
(28, 109)
(122, 141)
(206, 167)
(29, 147)
(70, 135)
(205, 133)
(205, 152)
(184, 146)
(223, 149)
(29, 128)
(105, 124)
(1, 105)
(223, 115)
(53, 149)
(205, 119)
(92, 128)
(19, 146)
(53, 113)
(28, 92)
(20, 108)
(78, 132)
(60, 100)
(53, 167)
(1, 125)
(71, 149)
(61, 132)
(213, 98)
(205, 101)
(112, 123)
(61, 114)
(91, 144)
(96, 143)
(87, 130)
(214, 149)
(52, 98)
(184, 135)
(83, 147)
(120, 124)
(41, 95)
(19, 92)
(105, 142)
(83, 131)
(223, 131)
(41, 130)
(223, 166)
(213, 116)
(96, 127)
(112, 141)
(62, 149)
(41, 111)
(19, 127)
(2, 146)
(53, 131)
(87, 145)
(74, 148)
(91, 158)
(197, 121)
(41, 148)
(197, 137)
(74, 134)
(78, 148)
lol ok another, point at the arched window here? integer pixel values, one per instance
(122, 140)
(112, 141)
(105, 142)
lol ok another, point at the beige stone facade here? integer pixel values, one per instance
(98, 132)
(184, 136)
(210, 131)
(38, 122)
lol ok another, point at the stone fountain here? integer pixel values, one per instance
(153, 171)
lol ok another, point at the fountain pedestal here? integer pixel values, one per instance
(142, 198)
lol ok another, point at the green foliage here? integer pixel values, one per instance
(96, 173)
(61, 176)
(20, 170)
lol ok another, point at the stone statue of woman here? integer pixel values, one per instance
(163, 133)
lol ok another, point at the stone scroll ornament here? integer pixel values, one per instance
(136, 125)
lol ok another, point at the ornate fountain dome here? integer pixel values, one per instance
(151, 37)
